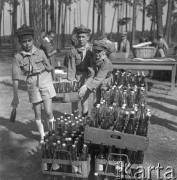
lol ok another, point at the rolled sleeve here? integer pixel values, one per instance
(45, 61)
(16, 70)
(101, 75)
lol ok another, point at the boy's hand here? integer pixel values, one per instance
(82, 91)
(15, 102)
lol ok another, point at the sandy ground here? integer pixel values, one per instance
(20, 154)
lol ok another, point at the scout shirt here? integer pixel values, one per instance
(30, 63)
(78, 60)
(124, 46)
(161, 44)
(47, 46)
(103, 74)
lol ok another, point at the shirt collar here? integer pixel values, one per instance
(33, 51)
(81, 49)
(47, 39)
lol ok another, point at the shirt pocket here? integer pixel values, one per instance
(24, 64)
(39, 62)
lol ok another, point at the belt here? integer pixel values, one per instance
(37, 73)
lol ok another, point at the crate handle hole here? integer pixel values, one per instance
(115, 136)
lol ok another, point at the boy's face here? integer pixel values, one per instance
(27, 42)
(51, 36)
(82, 39)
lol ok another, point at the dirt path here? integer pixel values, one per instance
(20, 155)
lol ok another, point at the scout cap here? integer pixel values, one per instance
(24, 30)
(82, 29)
(100, 45)
(124, 33)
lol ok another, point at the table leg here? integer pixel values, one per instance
(173, 74)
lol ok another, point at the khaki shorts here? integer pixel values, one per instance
(40, 87)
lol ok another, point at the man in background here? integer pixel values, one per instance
(47, 47)
(124, 43)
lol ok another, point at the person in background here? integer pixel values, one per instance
(103, 77)
(162, 47)
(124, 43)
(35, 66)
(80, 64)
(47, 47)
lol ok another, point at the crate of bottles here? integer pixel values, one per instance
(115, 165)
(64, 152)
(68, 90)
(122, 117)
(70, 168)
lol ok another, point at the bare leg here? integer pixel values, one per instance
(48, 110)
(37, 112)
(84, 103)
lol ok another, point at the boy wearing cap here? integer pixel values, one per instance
(34, 64)
(162, 47)
(103, 76)
(124, 44)
(80, 63)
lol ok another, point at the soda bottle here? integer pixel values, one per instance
(101, 156)
(84, 153)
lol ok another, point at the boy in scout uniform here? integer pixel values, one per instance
(103, 76)
(34, 64)
(80, 63)
(124, 44)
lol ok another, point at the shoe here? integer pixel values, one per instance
(41, 141)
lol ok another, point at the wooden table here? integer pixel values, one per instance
(147, 65)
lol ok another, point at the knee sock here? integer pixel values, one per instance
(40, 128)
(51, 122)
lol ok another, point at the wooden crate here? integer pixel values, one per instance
(71, 97)
(115, 138)
(84, 166)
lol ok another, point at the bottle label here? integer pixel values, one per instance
(100, 167)
(55, 166)
(74, 169)
(45, 166)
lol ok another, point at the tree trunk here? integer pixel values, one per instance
(14, 17)
(24, 12)
(103, 18)
(47, 15)
(43, 14)
(143, 18)
(113, 21)
(52, 15)
(88, 13)
(59, 23)
(35, 14)
(64, 25)
(59, 15)
(126, 13)
(133, 23)
(159, 17)
(93, 19)
(168, 22)
(1, 7)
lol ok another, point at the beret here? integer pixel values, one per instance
(124, 33)
(24, 30)
(100, 45)
(82, 29)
